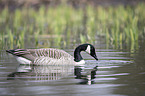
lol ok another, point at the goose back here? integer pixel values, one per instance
(51, 56)
(49, 52)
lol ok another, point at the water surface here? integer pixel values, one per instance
(116, 73)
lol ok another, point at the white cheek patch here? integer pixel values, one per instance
(88, 50)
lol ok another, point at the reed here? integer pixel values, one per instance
(124, 25)
(64, 25)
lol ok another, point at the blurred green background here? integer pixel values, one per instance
(61, 23)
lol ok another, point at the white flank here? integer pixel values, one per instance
(88, 50)
(53, 61)
(22, 60)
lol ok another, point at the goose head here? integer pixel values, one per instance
(84, 47)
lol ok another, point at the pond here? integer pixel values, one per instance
(117, 73)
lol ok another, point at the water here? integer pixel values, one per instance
(115, 74)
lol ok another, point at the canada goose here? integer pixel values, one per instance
(52, 56)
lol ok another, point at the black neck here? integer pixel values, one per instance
(77, 55)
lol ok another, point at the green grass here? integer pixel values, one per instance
(62, 25)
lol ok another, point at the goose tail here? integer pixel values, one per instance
(10, 51)
(17, 52)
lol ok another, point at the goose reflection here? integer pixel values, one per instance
(41, 72)
(53, 72)
(85, 75)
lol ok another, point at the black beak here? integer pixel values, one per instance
(95, 57)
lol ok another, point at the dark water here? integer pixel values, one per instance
(115, 74)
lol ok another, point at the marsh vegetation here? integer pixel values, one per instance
(120, 26)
